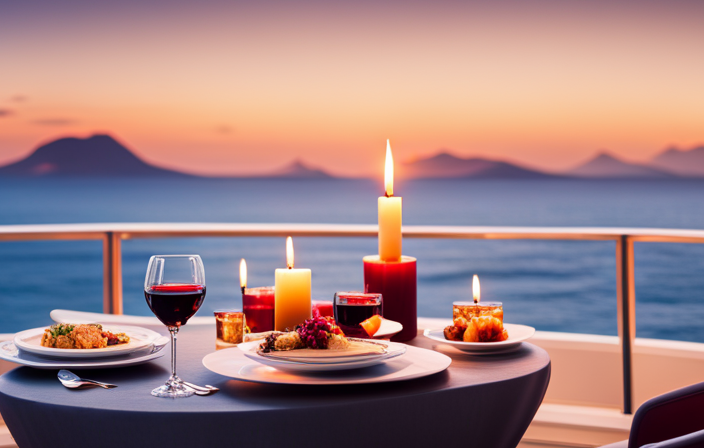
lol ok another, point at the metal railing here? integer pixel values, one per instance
(112, 235)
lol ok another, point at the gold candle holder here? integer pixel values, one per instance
(468, 310)
(229, 328)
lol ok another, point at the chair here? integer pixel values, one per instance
(671, 420)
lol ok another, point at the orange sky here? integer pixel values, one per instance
(242, 87)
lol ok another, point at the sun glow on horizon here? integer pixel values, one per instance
(246, 89)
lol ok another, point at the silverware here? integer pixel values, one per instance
(208, 389)
(73, 381)
(198, 392)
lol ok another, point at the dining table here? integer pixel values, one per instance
(483, 401)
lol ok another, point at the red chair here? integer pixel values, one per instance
(671, 420)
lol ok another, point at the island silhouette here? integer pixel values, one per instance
(102, 155)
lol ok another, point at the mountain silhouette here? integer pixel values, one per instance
(605, 165)
(95, 156)
(445, 165)
(299, 170)
(681, 161)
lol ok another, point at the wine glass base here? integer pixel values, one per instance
(173, 389)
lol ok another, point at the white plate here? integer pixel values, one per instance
(362, 349)
(140, 339)
(9, 352)
(516, 334)
(387, 329)
(416, 363)
(394, 350)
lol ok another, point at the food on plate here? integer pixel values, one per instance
(81, 336)
(484, 328)
(316, 333)
(372, 325)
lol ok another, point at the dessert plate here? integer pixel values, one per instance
(392, 350)
(416, 363)
(9, 352)
(388, 329)
(141, 339)
(358, 349)
(516, 335)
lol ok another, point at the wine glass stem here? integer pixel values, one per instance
(174, 334)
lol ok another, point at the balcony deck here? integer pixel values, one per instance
(597, 381)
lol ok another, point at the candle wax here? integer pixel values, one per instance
(292, 298)
(390, 228)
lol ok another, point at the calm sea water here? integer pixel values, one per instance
(559, 286)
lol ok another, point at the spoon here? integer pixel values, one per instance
(73, 381)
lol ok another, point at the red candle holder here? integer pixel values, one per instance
(258, 306)
(396, 281)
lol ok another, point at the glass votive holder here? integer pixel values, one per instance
(323, 308)
(468, 310)
(229, 328)
(258, 306)
(352, 308)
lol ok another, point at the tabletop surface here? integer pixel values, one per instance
(135, 383)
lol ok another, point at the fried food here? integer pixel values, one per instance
(479, 329)
(316, 333)
(82, 336)
(88, 336)
(471, 334)
(453, 333)
(288, 341)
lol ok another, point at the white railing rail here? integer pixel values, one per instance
(112, 235)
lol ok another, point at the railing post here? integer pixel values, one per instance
(112, 273)
(626, 290)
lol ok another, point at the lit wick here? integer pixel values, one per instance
(289, 252)
(243, 275)
(475, 289)
(389, 172)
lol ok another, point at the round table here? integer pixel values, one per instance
(479, 401)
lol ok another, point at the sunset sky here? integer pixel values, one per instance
(234, 87)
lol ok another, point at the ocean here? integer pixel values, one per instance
(550, 285)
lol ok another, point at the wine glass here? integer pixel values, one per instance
(175, 289)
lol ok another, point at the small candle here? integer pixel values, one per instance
(229, 328)
(292, 293)
(257, 304)
(468, 310)
(389, 215)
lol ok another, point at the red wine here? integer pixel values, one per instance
(348, 317)
(173, 304)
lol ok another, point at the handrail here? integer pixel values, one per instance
(112, 235)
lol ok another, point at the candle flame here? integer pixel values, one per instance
(243, 274)
(289, 252)
(389, 171)
(475, 289)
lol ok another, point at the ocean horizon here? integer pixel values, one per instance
(551, 285)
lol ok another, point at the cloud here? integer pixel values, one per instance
(54, 122)
(6, 113)
(18, 98)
